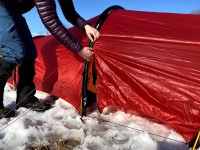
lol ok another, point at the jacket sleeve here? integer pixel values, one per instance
(49, 17)
(71, 15)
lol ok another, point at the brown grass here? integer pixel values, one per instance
(57, 145)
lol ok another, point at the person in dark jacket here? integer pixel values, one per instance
(17, 47)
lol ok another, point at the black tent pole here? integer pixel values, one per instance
(98, 25)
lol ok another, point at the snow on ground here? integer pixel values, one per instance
(62, 127)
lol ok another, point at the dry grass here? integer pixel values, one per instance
(57, 145)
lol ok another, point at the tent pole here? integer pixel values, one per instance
(84, 99)
(196, 141)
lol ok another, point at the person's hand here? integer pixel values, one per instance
(92, 33)
(86, 53)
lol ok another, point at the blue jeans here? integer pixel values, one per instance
(16, 43)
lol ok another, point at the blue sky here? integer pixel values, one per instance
(90, 8)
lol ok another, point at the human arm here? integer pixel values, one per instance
(48, 15)
(73, 17)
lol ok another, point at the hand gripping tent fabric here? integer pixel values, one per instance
(144, 61)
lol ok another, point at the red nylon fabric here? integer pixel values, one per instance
(150, 63)
(58, 70)
(146, 62)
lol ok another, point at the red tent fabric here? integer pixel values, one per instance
(150, 63)
(58, 70)
(145, 61)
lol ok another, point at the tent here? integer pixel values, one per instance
(144, 61)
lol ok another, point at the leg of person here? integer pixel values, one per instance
(11, 52)
(26, 87)
(6, 69)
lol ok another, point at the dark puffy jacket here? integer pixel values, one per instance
(49, 17)
(20, 6)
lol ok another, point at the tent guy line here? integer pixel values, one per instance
(166, 85)
(100, 119)
(29, 92)
(137, 129)
(9, 123)
(14, 120)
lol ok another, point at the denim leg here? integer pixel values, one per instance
(16, 42)
(30, 52)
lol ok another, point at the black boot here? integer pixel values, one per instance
(26, 89)
(6, 69)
